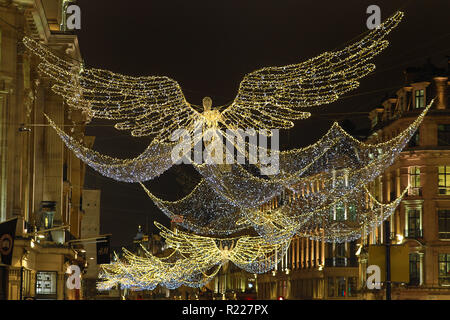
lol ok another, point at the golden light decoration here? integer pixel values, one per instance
(214, 206)
(269, 98)
(305, 197)
(193, 261)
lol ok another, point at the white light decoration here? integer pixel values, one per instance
(319, 192)
(269, 98)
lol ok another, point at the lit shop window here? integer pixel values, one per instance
(46, 283)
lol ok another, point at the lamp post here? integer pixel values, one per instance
(387, 240)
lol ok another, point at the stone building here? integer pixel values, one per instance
(41, 181)
(90, 231)
(422, 221)
(319, 270)
(313, 270)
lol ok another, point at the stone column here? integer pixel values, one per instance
(307, 262)
(317, 253)
(54, 156)
(421, 268)
(303, 262)
(441, 90)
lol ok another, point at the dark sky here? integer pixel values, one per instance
(208, 46)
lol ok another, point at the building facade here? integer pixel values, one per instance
(41, 181)
(320, 270)
(422, 220)
(90, 231)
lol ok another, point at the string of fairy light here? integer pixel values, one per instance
(319, 192)
(269, 98)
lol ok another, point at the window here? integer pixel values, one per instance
(331, 287)
(340, 212)
(414, 142)
(340, 250)
(414, 177)
(414, 182)
(352, 281)
(414, 229)
(351, 212)
(444, 180)
(444, 135)
(341, 287)
(444, 224)
(444, 269)
(340, 259)
(420, 98)
(46, 283)
(414, 269)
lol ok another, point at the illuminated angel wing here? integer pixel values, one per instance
(273, 97)
(199, 249)
(147, 106)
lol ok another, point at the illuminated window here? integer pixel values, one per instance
(46, 283)
(444, 180)
(351, 212)
(420, 98)
(444, 224)
(340, 212)
(414, 177)
(444, 269)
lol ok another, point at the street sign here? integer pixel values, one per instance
(7, 234)
(103, 251)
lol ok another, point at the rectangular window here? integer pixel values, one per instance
(414, 182)
(341, 286)
(340, 256)
(340, 212)
(331, 287)
(352, 283)
(444, 180)
(444, 224)
(414, 142)
(414, 229)
(414, 269)
(351, 212)
(444, 269)
(444, 135)
(46, 283)
(414, 177)
(420, 98)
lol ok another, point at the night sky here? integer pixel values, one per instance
(208, 46)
